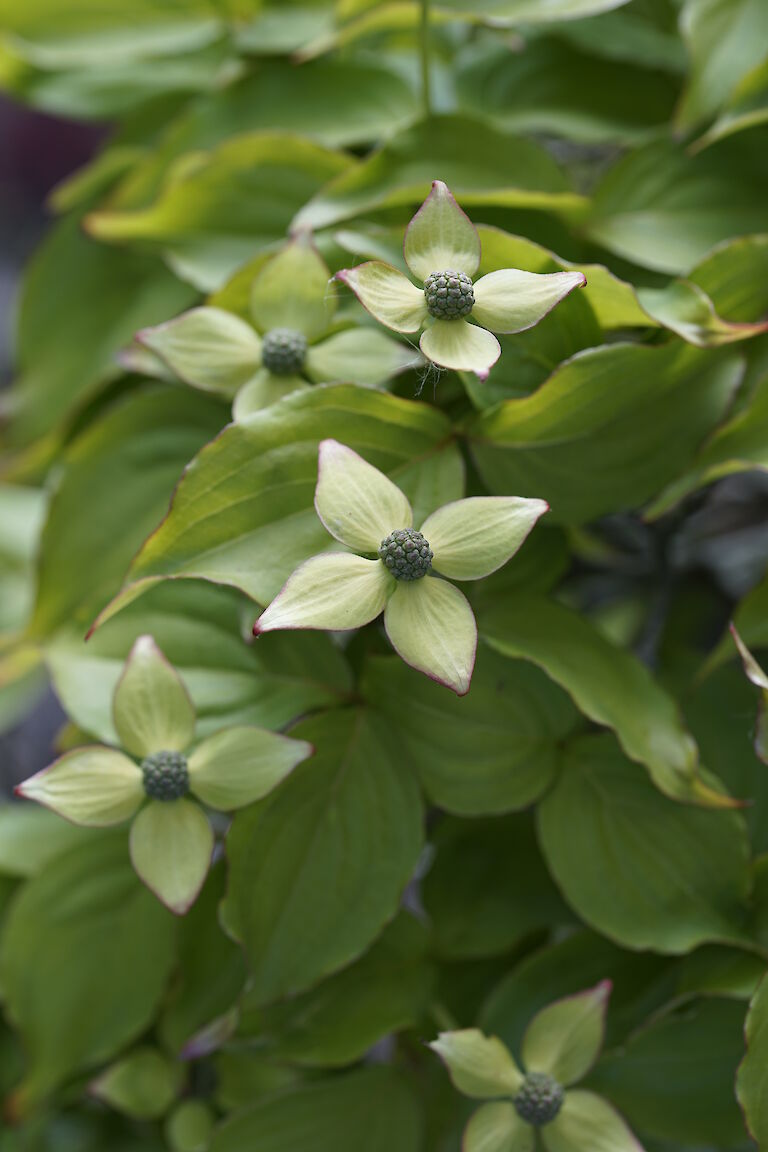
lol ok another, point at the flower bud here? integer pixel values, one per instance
(449, 295)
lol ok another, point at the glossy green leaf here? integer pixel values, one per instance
(493, 750)
(86, 904)
(200, 627)
(479, 164)
(210, 975)
(67, 342)
(588, 446)
(532, 11)
(552, 87)
(607, 684)
(385, 991)
(371, 1107)
(226, 205)
(208, 348)
(93, 786)
(141, 1085)
(189, 1127)
(644, 870)
(694, 1105)
(665, 210)
(725, 39)
(685, 309)
(99, 472)
(751, 1087)
(31, 836)
(746, 108)
(564, 1039)
(152, 708)
(488, 888)
(318, 867)
(243, 513)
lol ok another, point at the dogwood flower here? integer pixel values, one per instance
(559, 1047)
(442, 250)
(394, 569)
(290, 343)
(171, 839)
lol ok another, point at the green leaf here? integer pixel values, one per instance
(607, 684)
(665, 210)
(207, 348)
(641, 982)
(589, 447)
(645, 871)
(751, 1086)
(142, 1085)
(587, 1121)
(318, 867)
(725, 40)
(30, 837)
(356, 502)
(488, 888)
(211, 971)
(687, 310)
(99, 473)
(479, 1066)
(532, 11)
(260, 523)
(746, 108)
(498, 1128)
(441, 236)
(152, 708)
(480, 165)
(431, 625)
(93, 786)
(200, 627)
(22, 515)
(67, 342)
(564, 1039)
(371, 1108)
(84, 960)
(238, 766)
(171, 847)
(226, 205)
(695, 1105)
(383, 992)
(559, 89)
(490, 751)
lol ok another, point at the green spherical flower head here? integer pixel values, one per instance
(539, 1100)
(283, 351)
(406, 554)
(165, 776)
(449, 295)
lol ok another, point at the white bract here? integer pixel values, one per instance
(442, 239)
(428, 620)
(559, 1047)
(171, 839)
(290, 342)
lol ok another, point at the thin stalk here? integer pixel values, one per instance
(426, 93)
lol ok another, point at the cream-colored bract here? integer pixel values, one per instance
(441, 238)
(429, 622)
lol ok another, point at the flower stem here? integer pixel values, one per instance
(426, 95)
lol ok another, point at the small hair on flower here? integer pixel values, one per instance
(459, 316)
(394, 568)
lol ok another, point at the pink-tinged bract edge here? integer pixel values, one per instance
(602, 992)
(19, 788)
(437, 186)
(430, 675)
(182, 909)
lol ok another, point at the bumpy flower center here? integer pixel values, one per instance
(539, 1100)
(449, 295)
(406, 554)
(283, 351)
(165, 776)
